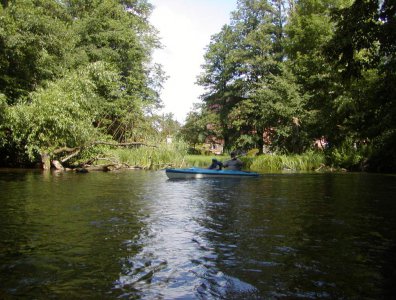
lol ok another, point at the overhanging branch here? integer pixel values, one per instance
(135, 144)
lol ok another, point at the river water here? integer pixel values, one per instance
(138, 235)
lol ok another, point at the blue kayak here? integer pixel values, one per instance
(205, 173)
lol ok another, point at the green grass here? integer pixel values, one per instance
(202, 161)
(149, 157)
(265, 163)
(271, 162)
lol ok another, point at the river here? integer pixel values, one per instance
(138, 235)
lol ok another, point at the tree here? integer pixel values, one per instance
(167, 125)
(34, 42)
(363, 50)
(200, 124)
(74, 70)
(115, 32)
(241, 56)
(275, 110)
(309, 28)
(62, 115)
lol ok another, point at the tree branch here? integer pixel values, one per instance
(71, 155)
(136, 144)
(66, 149)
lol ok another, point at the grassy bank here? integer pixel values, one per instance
(202, 161)
(151, 158)
(266, 163)
(270, 163)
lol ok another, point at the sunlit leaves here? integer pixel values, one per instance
(73, 71)
(34, 41)
(237, 63)
(60, 115)
(110, 32)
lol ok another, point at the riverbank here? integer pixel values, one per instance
(162, 158)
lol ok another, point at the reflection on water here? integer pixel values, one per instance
(137, 235)
(176, 260)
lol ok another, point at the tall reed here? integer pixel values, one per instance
(151, 157)
(265, 163)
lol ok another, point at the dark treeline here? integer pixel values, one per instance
(73, 72)
(304, 70)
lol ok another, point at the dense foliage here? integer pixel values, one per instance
(283, 74)
(280, 76)
(74, 72)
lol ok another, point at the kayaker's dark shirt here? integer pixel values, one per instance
(233, 164)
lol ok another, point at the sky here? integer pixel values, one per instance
(186, 27)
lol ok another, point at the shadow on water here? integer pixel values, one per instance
(137, 235)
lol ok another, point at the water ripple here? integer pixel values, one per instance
(136, 235)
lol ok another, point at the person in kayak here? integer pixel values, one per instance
(234, 163)
(216, 164)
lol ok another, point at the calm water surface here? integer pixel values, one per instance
(138, 235)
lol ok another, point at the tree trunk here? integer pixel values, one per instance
(45, 161)
(260, 141)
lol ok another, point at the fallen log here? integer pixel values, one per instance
(104, 168)
(72, 152)
(57, 165)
